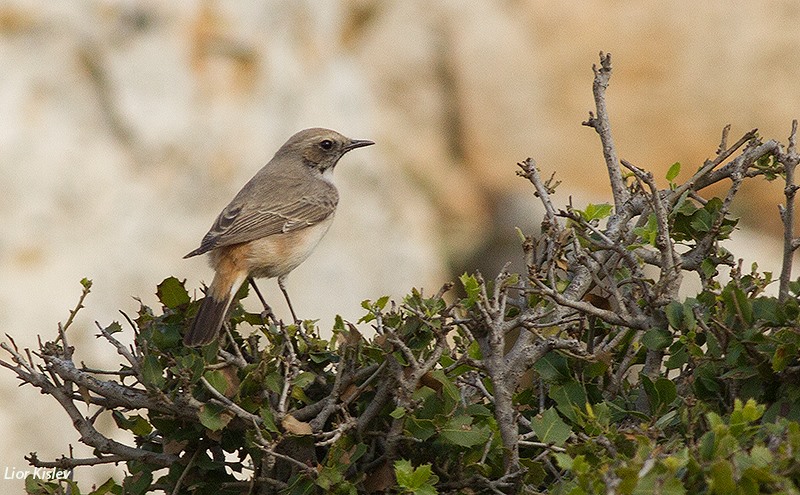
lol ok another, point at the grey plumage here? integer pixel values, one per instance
(272, 224)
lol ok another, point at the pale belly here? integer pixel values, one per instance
(279, 254)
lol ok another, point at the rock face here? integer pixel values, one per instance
(127, 126)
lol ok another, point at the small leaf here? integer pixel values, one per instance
(135, 424)
(224, 380)
(666, 420)
(657, 339)
(752, 411)
(304, 379)
(553, 368)
(667, 392)
(421, 429)
(110, 486)
(596, 212)
(217, 380)
(564, 460)
(113, 328)
(214, 417)
(460, 431)
(722, 482)
(472, 288)
(447, 385)
(172, 293)
(421, 475)
(569, 397)
(153, 372)
(550, 428)
(673, 171)
(649, 232)
(403, 470)
(138, 483)
(381, 302)
(418, 481)
(269, 419)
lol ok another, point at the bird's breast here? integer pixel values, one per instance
(279, 254)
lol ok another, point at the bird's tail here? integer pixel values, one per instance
(213, 309)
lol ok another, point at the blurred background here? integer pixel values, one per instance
(126, 126)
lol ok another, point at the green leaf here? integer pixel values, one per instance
(447, 385)
(656, 483)
(569, 397)
(269, 419)
(113, 328)
(421, 429)
(666, 420)
(784, 355)
(737, 303)
(553, 367)
(418, 481)
(550, 428)
(421, 475)
(135, 424)
(110, 486)
(381, 302)
(472, 288)
(701, 221)
(38, 486)
(172, 293)
(677, 358)
(213, 417)
(681, 315)
(564, 460)
(673, 171)
(707, 442)
(722, 482)
(217, 380)
(661, 392)
(596, 212)
(580, 466)
(304, 379)
(460, 431)
(138, 484)
(398, 412)
(649, 232)
(751, 411)
(474, 350)
(657, 338)
(153, 372)
(667, 391)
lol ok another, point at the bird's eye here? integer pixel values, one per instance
(326, 144)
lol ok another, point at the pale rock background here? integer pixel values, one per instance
(125, 127)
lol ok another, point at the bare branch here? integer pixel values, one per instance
(121, 349)
(602, 125)
(229, 404)
(789, 160)
(531, 172)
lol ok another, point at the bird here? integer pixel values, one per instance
(272, 224)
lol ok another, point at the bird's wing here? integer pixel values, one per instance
(243, 221)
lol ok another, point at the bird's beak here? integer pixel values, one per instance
(358, 143)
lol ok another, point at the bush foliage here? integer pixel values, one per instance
(592, 373)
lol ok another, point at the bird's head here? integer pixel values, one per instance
(321, 148)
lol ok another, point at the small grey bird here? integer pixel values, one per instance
(272, 225)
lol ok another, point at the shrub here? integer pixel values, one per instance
(588, 374)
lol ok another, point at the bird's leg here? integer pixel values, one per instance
(267, 313)
(281, 284)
